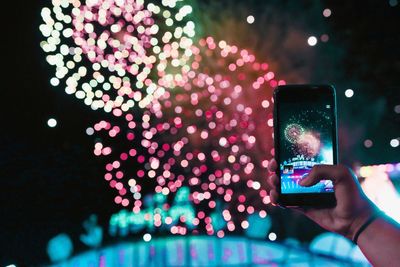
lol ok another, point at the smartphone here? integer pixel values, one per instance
(305, 134)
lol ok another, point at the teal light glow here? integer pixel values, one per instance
(94, 233)
(259, 227)
(59, 247)
(206, 251)
(155, 215)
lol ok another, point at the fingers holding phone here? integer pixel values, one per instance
(273, 182)
(352, 207)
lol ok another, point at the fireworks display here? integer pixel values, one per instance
(203, 135)
(203, 117)
(309, 144)
(305, 133)
(306, 143)
(112, 54)
(293, 132)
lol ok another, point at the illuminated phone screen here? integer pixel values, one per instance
(306, 134)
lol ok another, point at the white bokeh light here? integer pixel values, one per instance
(89, 131)
(52, 123)
(349, 93)
(272, 236)
(147, 237)
(312, 40)
(250, 19)
(394, 142)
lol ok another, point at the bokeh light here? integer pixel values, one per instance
(312, 41)
(393, 3)
(52, 122)
(111, 54)
(147, 237)
(186, 114)
(202, 135)
(324, 37)
(397, 109)
(327, 12)
(394, 142)
(349, 93)
(250, 19)
(368, 143)
(272, 236)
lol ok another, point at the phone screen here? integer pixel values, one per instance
(306, 136)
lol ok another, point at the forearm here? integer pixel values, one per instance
(380, 242)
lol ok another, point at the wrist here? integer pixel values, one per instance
(362, 218)
(364, 227)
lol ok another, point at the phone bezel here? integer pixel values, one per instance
(304, 199)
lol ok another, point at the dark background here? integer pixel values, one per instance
(49, 179)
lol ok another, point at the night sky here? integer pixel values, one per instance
(49, 179)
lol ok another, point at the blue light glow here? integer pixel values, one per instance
(59, 247)
(203, 251)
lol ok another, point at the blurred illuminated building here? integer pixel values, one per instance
(380, 183)
(213, 251)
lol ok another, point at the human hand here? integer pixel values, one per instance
(352, 207)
